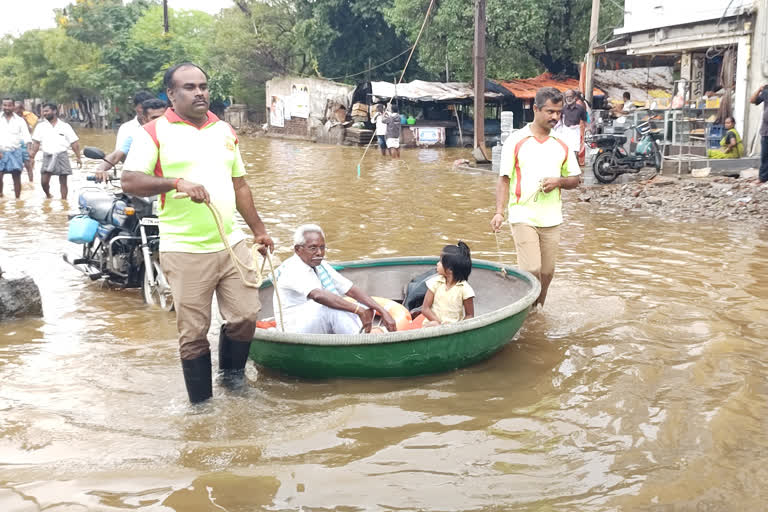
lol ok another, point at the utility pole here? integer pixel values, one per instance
(590, 71)
(165, 16)
(479, 151)
(368, 73)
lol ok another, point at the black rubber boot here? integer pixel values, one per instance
(232, 358)
(197, 377)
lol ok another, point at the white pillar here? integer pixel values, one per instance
(740, 94)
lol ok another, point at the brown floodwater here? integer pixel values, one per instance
(643, 384)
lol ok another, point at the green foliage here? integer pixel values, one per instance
(188, 39)
(55, 66)
(523, 38)
(345, 36)
(111, 48)
(554, 33)
(100, 21)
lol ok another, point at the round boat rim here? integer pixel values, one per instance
(477, 322)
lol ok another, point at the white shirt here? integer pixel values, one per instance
(54, 138)
(381, 126)
(126, 130)
(528, 161)
(295, 280)
(13, 132)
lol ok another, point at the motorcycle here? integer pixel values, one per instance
(120, 238)
(613, 160)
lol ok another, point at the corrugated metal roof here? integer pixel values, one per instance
(419, 90)
(525, 88)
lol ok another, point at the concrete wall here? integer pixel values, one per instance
(652, 14)
(686, 26)
(757, 75)
(321, 94)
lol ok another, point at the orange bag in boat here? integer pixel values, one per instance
(400, 314)
(261, 324)
(417, 323)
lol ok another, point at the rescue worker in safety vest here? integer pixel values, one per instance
(189, 150)
(535, 165)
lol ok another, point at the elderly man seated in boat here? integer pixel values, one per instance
(312, 293)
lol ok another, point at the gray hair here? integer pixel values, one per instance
(548, 94)
(301, 231)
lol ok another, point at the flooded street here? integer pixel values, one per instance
(643, 384)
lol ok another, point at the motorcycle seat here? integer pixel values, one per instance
(97, 203)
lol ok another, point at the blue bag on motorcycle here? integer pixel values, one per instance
(82, 229)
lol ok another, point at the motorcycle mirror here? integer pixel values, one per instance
(94, 153)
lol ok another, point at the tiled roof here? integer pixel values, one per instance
(525, 88)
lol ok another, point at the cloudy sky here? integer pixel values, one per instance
(22, 15)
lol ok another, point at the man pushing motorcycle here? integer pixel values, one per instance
(151, 109)
(191, 151)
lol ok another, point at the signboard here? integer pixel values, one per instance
(277, 112)
(429, 135)
(300, 101)
(697, 76)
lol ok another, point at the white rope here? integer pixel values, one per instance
(241, 267)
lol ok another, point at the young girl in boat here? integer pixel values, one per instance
(449, 297)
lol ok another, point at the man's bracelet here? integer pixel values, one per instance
(357, 307)
(176, 183)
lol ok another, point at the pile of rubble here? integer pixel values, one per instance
(739, 199)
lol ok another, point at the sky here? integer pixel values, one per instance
(20, 16)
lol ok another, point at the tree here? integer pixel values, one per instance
(100, 22)
(126, 65)
(532, 37)
(345, 36)
(188, 39)
(48, 64)
(448, 39)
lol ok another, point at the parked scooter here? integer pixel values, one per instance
(120, 239)
(612, 159)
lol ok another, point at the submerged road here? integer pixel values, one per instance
(643, 383)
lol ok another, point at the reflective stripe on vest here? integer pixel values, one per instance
(151, 129)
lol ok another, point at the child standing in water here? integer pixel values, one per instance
(449, 297)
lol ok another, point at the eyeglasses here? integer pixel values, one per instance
(314, 248)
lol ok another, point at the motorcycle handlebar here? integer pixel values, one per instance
(93, 178)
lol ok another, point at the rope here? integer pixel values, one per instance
(413, 49)
(374, 67)
(241, 267)
(498, 251)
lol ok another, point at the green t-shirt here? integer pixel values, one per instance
(209, 156)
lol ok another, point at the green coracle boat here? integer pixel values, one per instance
(504, 297)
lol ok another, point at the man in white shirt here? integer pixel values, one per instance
(381, 128)
(312, 292)
(13, 133)
(535, 166)
(151, 109)
(55, 137)
(127, 129)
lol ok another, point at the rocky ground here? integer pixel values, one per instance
(685, 197)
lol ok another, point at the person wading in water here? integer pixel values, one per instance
(535, 165)
(191, 151)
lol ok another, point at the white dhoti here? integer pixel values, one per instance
(571, 135)
(314, 318)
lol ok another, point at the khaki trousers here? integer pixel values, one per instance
(193, 279)
(537, 252)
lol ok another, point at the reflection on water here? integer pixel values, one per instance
(642, 384)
